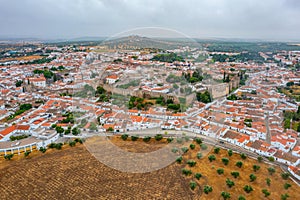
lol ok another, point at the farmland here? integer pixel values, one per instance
(73, 173)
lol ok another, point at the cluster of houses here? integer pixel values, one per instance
(253, 121)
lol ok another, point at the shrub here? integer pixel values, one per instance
(186, 172)
(248, 188)
(147, 139)
(72, 143)
(259, 158)
(184, 149)
(179, 159)
(239, 164)
(284, 196)
(271, 159)
(207, 189)
(198, 176)
(243, 156)
(230, 152)
(285, 175)
(211, 158)
(198, 140)
(225, 195)
(42, 149)
(235, 174)
(220, 171)
(252, 177)
(175, 150)
(192, 146)
(26, 153)
(216, 150)
(199, 155)
(203, 146)
(287, 186)
(268, 181)
(124, 137)
(8, 156)
(158, 137)
(271, 170)
(169, 140)
(80, 141)
(193, 185)
(241, 197)
(266, 192)
(191, 163)
(256, 168)
(225, 161)
(229, 183)
(134, 138)
(179, 140)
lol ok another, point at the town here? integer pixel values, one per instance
(53, 93)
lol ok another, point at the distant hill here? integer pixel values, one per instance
(138, 42)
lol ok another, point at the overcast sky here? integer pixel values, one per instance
(259, 19)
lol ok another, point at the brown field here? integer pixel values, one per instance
(25, 58)
(73, 173)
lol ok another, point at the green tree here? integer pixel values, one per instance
(248, 188)
(271, 159)
(199, 155)
(256, 168)
(239, 164)
(192, 146)
(203, 146)
(287, 186)
(268, 181)
(216, 150)
(75, 131)
(259, 158)
(241, 197)
(225, 161)
(191, 163)
(42, 149)
(284, 196)
(252, 177)
(186, 172)
(235, 174)
(19, 83)
(26, 153)
(266, 192)
(229, 183)
(59, 129)
(285, 175)
(198, 140)
(211, 158)
(230, 152)
(271, 170)
(72, 143)
(243, 156)
(207, 189)
(225, 195)
(134, 138)
(124, 137)
(184, 149)
(193, 185)
(147, 139)
(179, 160)
(8, 156)
(220, 171)
(198, 176)
(158, 137)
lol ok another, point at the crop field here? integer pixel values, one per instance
(73, 173)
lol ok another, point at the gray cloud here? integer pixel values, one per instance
(268, 19)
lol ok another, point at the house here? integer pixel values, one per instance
(14, 129)
(112, 79)
(38, 82)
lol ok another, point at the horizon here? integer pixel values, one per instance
(65, 19)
